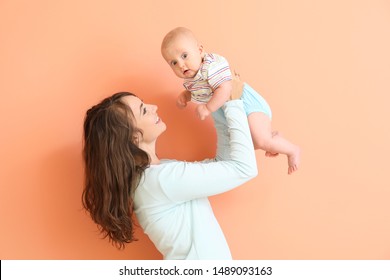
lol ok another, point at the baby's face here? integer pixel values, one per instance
(184, 55)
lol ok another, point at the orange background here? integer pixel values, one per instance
(324, 67)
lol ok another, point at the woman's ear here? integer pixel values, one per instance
(136, 138)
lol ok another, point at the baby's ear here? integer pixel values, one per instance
(201, 49)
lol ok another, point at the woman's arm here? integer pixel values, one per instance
(185, 181)
(223, 145)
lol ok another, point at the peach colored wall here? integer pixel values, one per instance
(324, 67)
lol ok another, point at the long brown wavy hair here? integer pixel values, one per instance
(114, 165)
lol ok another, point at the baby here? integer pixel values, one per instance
(208, 82)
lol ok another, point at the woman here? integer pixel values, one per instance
(123, 175)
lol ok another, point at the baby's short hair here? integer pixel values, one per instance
(176, 32)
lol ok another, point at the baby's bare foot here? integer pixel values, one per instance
(294, 160)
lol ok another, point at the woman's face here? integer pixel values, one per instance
(146, 119)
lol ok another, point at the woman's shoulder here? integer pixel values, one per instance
(164, 163)
(170, 167)
(158, 177)
(155, 175)
(164, 166)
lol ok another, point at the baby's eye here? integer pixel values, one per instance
(184, 56)
(173, 63)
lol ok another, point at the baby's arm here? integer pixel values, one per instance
(220, 96)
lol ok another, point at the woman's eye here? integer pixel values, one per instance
(144, 110)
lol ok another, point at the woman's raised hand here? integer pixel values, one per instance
(237, 86)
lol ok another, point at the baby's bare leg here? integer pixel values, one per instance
(269, 154)
(263, 138)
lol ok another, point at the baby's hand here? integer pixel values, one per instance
(183, 99)
(203, 111)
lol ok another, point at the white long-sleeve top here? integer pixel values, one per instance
(171, 202)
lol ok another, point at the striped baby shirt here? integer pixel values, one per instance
(213, 71)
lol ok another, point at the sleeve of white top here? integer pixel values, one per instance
(234, 165)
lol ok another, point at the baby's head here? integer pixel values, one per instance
(182, 52)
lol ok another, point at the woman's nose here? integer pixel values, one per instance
(153, 108)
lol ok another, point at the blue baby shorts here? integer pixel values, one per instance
(254, 102)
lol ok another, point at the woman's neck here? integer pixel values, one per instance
(151, 151)
(154, 160)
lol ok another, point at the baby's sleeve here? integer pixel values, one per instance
(218, 71)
